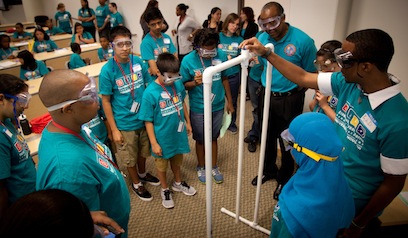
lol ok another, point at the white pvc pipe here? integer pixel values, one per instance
(249, 223)
(207, 84)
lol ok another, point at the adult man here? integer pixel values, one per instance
(287, 98)
(371, 118)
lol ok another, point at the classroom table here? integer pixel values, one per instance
(4, 27)
(62, 41)
(396, 213)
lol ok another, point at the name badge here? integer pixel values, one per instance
(216, 62)
(7, 132)
(166, 41)
(135, 107)
(180, 126)
(234, 44)
(164, 95)
(137, 67)
(368, 120)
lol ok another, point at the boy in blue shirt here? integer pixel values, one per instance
(63, 19)
(20, 34)
(167, 124)
(75, 61)
(155, 42)
(122, 83)
(106, 51)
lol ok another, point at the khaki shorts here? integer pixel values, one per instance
(161, 164)
(136, 143)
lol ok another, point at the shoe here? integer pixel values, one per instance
(150, 179)
(201, 174)
(217, 175)
(142, 193)
(252, 147)
(183, 187)
(247, 139)
(233, 129)
(167, 199)
(278, 191)
(264, 179)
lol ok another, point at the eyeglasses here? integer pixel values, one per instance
(23, 99)
(344, 58)
(171, 78)
(122, 43)
(270, 23)
(87, 95)
(289, 143)
(325, 66)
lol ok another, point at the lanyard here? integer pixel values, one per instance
(132, 89)
(157, 44)
(98, 148)
(173, 99)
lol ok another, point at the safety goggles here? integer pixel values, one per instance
(270, 23)
(325, 66)
(344, 58)
(122, 43)
(87, 95)
(23, 99)
(170, 78)
(288, 141)
(208, 53)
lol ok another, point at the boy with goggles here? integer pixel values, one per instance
(122, 82)
(371, 119)
(318, 187)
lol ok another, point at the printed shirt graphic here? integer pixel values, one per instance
(151, 47)
(105, 54)
(4, 54)
(115, 19)
(160, 108)
(229, 44)
(39, 72)
(331, 101)
(63, 19)
(101, 13)
(44, 46)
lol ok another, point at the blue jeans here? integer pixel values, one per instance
(253, 89)
(234, 83)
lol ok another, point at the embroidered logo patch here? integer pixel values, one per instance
(361, 130)
(345, 107)
(18, 146)
(290, 50)
(119, 82)
(162, 104)
(103, 163)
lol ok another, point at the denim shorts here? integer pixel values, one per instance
(197, 123)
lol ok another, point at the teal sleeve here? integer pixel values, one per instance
(172, 47)
(100, 54)
(146, 75)
(22, 72)
(43, 68)
(146, 50)
(119, 19)
(35, 47)
(73, 38)
(53, 45)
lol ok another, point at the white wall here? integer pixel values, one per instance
(14, 15)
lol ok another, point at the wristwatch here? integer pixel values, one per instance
(267, 53)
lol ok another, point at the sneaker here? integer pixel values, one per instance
(201, 174)
(150, 179)
(252, 147)
(217, 175)
(142, 193)
(233, 129)
(183, 187)
(167, 200)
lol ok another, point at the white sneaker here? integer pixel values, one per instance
(183, 187)
(167, 200)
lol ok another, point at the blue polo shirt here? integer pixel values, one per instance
(229, 44)
(63, 20)
(44, 46)
(112, 82)
(101, 13)
(190, 66)
(115, 19)
(151, 46)
(38, 72)
(373, 128)
(86, 13)
(296, 47)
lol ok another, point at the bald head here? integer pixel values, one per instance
(61, 85)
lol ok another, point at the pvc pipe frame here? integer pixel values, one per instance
(207, 81)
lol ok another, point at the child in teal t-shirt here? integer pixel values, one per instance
(63, 19)
(6, 52)
(31, 68)
(115, 18)
(81, 36)
(167, 124)
(42, 42)
(75, 60)
(53, 30)
(20, 34)
(102, 22)
(105, 52)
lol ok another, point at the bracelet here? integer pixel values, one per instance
(267, 53)
(354, 224)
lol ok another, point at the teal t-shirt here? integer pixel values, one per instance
(125, 103)
(115, 19)
(16, 165)
(190, 66)
(86, 13)
(63, 20)
(105, 54)
(229, 44)
(75, 61)
(256, 67)
(165, 111)
(5, 53)
(85, 35)
(97, 124)
(44, 46)
(101, 13)
(296, 47)
(71, 164)
(374, 139)
(151, 47)
(16, 35)
(54, 31)
(39, 72)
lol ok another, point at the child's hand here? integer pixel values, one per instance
(157, 149)
(322, 99)
(230, 107)
(117, 137)
(87, 61)
(189, 129)
(198, 79)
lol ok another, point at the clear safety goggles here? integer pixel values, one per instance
(325, 66)
(170, 78)
(87, 95)
(270, 23)
(344, 58)
(23, 99)
(289, 142)
(208, 53)
(122, 43)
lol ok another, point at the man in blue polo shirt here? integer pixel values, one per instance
(371, 119)
(287, 98)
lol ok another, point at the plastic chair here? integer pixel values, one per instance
(67, 65)
(50, 68)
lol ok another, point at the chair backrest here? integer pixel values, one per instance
(40, 20)
(50, 68)
(67, 65)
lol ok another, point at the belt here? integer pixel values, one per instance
(288, 93)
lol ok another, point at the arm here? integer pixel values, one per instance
(322, 99)
(87, 41)
(152, 138)
(230, 107)
(101, 218)
(386, 192)
(187, 118)
(292, 72)
(107, 107)
(153, 67)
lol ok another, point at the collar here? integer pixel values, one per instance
(377, 98)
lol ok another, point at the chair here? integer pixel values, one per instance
(67, 65)
(40, 20)
(50, 68)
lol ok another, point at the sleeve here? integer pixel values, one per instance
(146, 50)
(185, 72)
(5, 155)
(172, 47)
(120, 18)
(105, 83)
(309, 55)
(73, 38)
(100, 54)
(92, 12)
(394, 149)
(43, 68)
(56, 18)
(53, 45)
(15, 36)
(35, 47)
(147, 107)
(79, 13)
(69, 14)
(29, 34)
(88, 35)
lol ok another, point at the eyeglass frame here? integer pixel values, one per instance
(268, 20)
(115, 43)
(326, 64)
(344, 59)
(23, 98)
